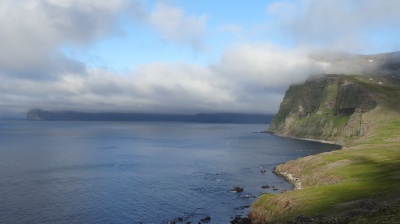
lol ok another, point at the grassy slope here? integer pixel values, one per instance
(368, 168)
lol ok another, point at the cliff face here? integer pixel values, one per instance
(361, 111)
(329, 108)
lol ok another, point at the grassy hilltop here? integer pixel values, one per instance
(361, 182)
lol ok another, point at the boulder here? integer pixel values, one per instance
(237, 189)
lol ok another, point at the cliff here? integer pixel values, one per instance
(333, 107)
(357, 184)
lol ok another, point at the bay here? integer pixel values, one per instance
(138, 172)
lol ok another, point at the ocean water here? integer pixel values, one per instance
(138, 172)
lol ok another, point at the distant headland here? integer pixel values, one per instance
(44, 115)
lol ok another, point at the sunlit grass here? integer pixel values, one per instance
(371, 169)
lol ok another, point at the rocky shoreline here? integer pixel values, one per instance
(304, 139)
(295, 181)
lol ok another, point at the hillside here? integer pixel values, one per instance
(357, 184)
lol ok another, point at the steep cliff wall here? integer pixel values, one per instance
(331, 108)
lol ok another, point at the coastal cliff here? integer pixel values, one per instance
(331, 107)
(359, 183)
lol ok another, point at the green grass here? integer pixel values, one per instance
(371, 170)
(388, 92)
(340, 121)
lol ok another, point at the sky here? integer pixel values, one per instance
(177, 56)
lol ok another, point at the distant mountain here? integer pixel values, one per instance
(43, 115)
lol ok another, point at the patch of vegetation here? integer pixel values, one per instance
(280, 118)
(372, 170)
(384, 89)
(340, 121)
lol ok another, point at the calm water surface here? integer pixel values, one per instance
(110, 172)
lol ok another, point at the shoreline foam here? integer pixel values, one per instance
(305, 139)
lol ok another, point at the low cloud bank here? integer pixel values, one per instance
(248, 78)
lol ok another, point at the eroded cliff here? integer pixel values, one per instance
(330, 107)
(357, 183)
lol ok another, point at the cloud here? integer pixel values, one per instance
(33, 31)
(265, 65)
(231, 28)
(35, 73)
(249, 77)
(156, 87)
(173, 25)
(338, 24)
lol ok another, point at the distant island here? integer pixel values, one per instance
(43, 115)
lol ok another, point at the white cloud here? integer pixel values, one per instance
(284, 10)
(265, 65)
(231, 28)
(173, 25)
(338, 24)
(33, 31)
(155, 87)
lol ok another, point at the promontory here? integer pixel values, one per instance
(359, 183)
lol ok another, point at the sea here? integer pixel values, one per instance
(138, 172)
